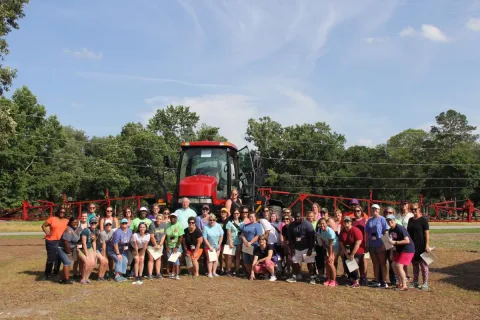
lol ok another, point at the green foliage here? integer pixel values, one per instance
(10, 12)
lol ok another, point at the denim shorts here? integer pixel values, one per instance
(62, 255)
(169, 253)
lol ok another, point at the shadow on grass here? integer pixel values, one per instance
(463, 275)
(38, 275)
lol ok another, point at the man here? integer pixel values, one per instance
(117, 249)
(91, 208)
(155, 211)
(301, 238)
(184, 213)
(354, 205)
(142, 217)
(266, 213)
(103, 240)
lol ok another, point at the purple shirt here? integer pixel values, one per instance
(122, 239)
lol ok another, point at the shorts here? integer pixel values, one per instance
(62, 255)
(80, 253)
(247, 259)
(195, 254)
(404, 258)
(169, 253)
(376, 250)
(262, 266)
(299, 258)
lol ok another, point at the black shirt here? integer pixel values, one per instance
(223, 224)
(262, 253)
(191, 238)
(416, 229)
(301, 235)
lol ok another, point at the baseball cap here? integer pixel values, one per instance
(107, 221)
(375, 206)
(172, 214)
(206, 206)
(324, 210)
(123, 221)
(93, 220)
(354, 201)
(224, 209)
(297, 214)
(390, 217)
(143, 209)
(347, 218)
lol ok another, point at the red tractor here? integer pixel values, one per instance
(209, 170)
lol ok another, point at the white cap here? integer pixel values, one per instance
(143, 209)
(107, 221)
(375, 206)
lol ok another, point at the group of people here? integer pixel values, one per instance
(240, 242)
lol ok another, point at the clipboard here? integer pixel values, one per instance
(352, 265)
(386, 242)
(212, 256)
(229, 251)
(156, 253)
(247, 250)
(174, 257)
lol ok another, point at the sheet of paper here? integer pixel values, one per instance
(386, 242)
(156, 253)
(174, 257)
(188, 260)
(429, 258)
(212, 256)
(247, 250)
(352, 265)
(313, 255)
(367, 255)
(229, 251)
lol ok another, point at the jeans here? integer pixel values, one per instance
(63, 257)
(354, 275)
(120, 265)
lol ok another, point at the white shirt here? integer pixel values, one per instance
(267, 226)
(140, 240)
(404, 219)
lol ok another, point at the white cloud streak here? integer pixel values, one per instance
(473, 24)
(373, 40)
(127, 77)
(427, 31)
(83, 53)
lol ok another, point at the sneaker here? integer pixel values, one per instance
(374, 284)
(215, 275)
(140, 280)
(88, 281)
(229, 274)
(327, 283)
(363, 282)
(292, 280)
(333, 284)
(210, 275)
(63, 281)
(120, 279)
(159, 276)
(355, 285)
(172, 276)
(47, 278)
(177, 277)
(272, 278)
(299, 277)
(312, 280)
(84, 282)
(383, 285)
(413, 285)
(425, 287)
(101, 279)
(150, 277)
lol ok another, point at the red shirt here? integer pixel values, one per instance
(348, 238)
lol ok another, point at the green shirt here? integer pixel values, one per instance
(137, 221)
(174, 232)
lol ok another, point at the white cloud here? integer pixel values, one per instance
(427, 31)
(365, 142)
(83, 53)
(407, 32)
(473, 24)
(372, 40)
(127, 77)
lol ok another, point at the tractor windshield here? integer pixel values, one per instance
(206, 161)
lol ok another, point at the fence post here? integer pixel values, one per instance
(25, 206)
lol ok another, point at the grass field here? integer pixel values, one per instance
(454, 281)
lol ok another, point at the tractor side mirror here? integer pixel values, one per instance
(166, 161)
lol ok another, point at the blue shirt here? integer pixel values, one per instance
(90, 216)
(122, 239)
(251, 230)
(328, 235)
(213, 234)
(234, 231)
(375, 229)
(183, 215)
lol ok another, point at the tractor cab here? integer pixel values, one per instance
(208, 171)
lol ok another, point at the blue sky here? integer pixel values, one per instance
(368, 68)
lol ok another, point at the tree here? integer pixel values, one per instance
(10, 12)
(209, 133)
(7, 124)
(452, 128)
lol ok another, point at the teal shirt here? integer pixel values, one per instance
(236, 240)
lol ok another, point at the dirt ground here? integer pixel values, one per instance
(454, 281)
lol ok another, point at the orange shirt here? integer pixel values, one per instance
(352, 215)
(57, 227)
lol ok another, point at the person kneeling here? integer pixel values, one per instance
(262, 260)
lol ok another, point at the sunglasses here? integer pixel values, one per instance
(389, 212)
(108, 224)
(191, 222)
(124, 223)
(286, 219)
(109, 210)
(236, 212)
(358, 210)
(205, 209)
(166, 213)
(93, 223)
(211, 220)
(244, 211)
(235, 194)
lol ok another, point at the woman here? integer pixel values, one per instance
(332, 248)
(316, 212)
(192, 244)
(404, 250)
(320, 253)
(391, 272)
(117, 249)
(56, 226)
(375, 228)
(65, 249)
(224, 218)
(262, 260)
(86, 251)
(139, 241)
(244, 215)
(338, 221)
(276, 232)
(404, 215)
(351, 240)
(213, 237)
(234, 202)
(286, 256)
(174, 236)
(127, 214)
(250, 233)
(157, 232)
(103, 239)
(419, 231)
(234, 227)
(202, 220)
(109, 216)
(83, 224)
(311, 219)
(359, 222)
